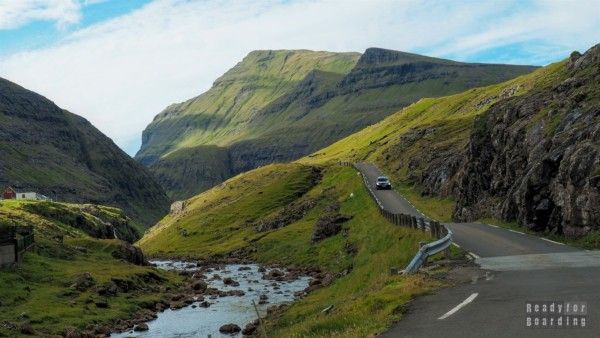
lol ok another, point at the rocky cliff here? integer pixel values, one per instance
(46, 149)
(277, 106)
(535, 158)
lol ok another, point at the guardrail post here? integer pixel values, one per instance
(433, 228)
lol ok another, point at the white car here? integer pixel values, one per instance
(383, 183)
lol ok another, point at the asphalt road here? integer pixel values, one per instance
(515, 268)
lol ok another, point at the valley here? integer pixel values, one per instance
(262, 168)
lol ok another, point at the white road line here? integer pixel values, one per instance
(495, 226)
(515, 231)
(456, 245)
(474, 255)
(551, 241)
(460, 306)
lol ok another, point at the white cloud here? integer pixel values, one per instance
(15, 13)
(122, 72)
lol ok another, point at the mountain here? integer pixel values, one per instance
(46, 149)
(276, 106)
(525, 151)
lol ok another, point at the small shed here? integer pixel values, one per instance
(9, 193)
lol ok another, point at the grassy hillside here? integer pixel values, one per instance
(291, 198)
(217, 117)
(44, 295)
(61, 155)
(277, 106)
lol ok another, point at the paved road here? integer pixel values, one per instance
(515, 268)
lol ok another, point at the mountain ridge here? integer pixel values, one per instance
(324, 99)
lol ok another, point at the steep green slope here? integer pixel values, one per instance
(62, 284)
(261, 121)
(525, 150)
(46, 149)
(219, 115)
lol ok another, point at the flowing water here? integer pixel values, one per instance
(200, 322)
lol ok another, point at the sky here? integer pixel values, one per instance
(118, 63)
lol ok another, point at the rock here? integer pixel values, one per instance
(250, 328)
(84, 282)
(108, 290)
(244, 268)
(141, 327)
(288, 215)
(229, 281)
(199, 286)
(130, 253)
(534, 158)
(229, 328)
(72, 332)
(262, 269)
(238, 293)
(329, 224)
(26, 329)
(204, 304)
(274, 274)
(177, 297)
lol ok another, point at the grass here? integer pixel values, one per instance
(433, 207)
(39, 292)
(366, 297)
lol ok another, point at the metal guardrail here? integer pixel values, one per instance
(438, 231)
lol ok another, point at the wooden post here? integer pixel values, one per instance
(262, 325)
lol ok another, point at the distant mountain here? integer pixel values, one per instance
(59, 154)
(277, 106)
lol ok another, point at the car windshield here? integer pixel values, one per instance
(382, 179)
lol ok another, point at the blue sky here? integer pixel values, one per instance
(120, 62)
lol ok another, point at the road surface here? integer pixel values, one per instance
(515, 268)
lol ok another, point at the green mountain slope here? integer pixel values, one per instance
(295, 103)
(61, 155)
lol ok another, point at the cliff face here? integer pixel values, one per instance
(61, 155)
(536, 158)
(278, 106)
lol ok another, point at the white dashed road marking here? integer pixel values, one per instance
(474, 255)
(460, 306)
(515, 231)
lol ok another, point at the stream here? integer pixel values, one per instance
(196, 321)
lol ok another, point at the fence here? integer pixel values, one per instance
(14, 241)
(438, 231)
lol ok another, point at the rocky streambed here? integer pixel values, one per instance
(220, 303)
